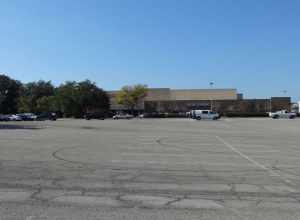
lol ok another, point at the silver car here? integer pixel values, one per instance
(14, 118)
(122, 116)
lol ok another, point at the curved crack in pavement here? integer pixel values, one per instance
(81, 165)
(162, 144)
(173, 201)
(35, 194)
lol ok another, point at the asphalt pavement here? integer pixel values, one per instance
(150, 169)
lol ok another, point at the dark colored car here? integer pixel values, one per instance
(46, 116)
(27, 116)
(4, 117)
(89, 116)
(122, 116)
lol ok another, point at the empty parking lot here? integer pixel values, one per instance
(150, 169)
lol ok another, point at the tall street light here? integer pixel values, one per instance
(211, 84)
(284, 92)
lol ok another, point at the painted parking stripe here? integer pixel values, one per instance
(270, 171)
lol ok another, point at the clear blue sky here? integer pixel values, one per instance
(251, 45)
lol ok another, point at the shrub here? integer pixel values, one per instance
(154, 115)
(164, 115)
(245, 114)
(175, 115)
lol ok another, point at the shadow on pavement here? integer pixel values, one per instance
(17, 127)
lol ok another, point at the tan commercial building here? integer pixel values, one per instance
(165, 100)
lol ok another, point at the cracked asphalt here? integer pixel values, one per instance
(246, 169)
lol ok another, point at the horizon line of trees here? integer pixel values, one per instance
(70, 99)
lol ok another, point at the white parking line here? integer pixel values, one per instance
(270, 171)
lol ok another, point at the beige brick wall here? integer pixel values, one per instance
(113, 102)
(166, 94)
(221, 106)
(158, 94)
(204, 94)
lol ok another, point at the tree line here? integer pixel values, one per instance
(70, 99)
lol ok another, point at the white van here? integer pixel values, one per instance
(282, 114)
(204, 114)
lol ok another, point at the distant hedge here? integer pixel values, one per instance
(228, 114)
(164, 115)
(245, 114)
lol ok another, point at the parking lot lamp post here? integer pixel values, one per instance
(284, 94)
(211, 99)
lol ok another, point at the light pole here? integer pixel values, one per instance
(284, 92)
(211, 84)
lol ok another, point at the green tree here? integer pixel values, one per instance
(76, 99)
(47, 104)
(129, 96)
(33, 91)
(24, 104)
(92, 98)
(67, 98)
(9, 94)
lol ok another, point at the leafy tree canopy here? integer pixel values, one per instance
(73, 99)
(79, 98)
(129, 96)
(9, 94)
(33, 91)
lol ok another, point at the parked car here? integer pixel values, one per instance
(98, 115)
(14, 118)
(46, 116)
(204, 114)
(27, 116)
(122, 116)
(4, 118)
(282, 114)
